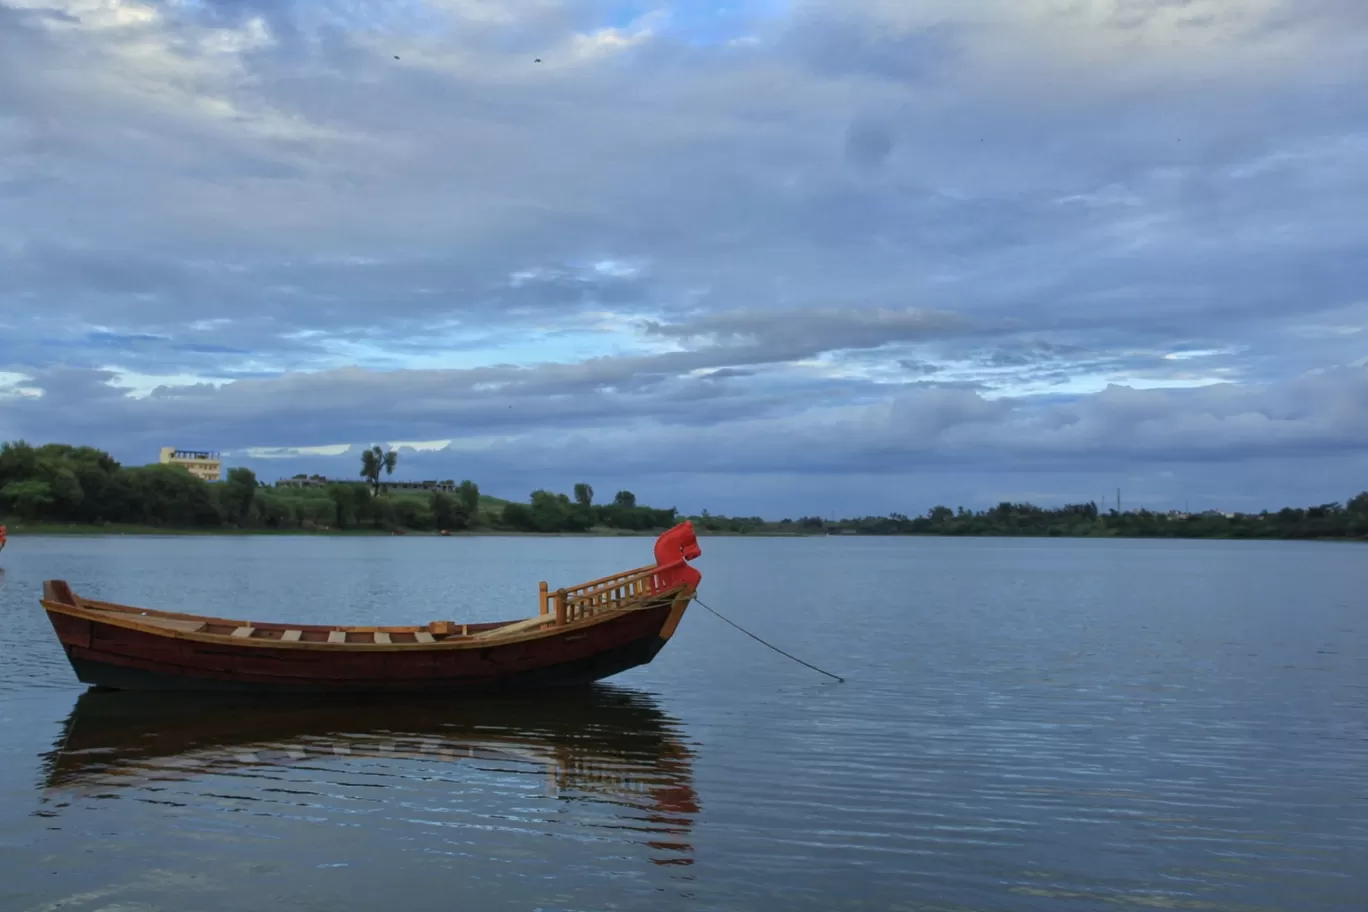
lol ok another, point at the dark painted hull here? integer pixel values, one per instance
(121, 658)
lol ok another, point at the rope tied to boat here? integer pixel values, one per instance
(718, 614)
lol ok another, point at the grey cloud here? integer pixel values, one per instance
(1327, 413)
(1131, 14)
(869, 142)
(120, 340)
(918, 368)
(830, 215)
(568, 290)
(1030, 351)
(926, 424)
(30, 17)
(265, 306)
(839, 40)
(65, 385)
(1317, 15)
(812, 330)
(977, 386)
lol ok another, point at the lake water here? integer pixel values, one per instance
(1025, 725)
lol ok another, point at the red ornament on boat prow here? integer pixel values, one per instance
(673, 550)
(676, 544)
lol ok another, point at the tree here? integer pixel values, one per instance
(67, 493)
(550, 512)
(30, 499)
(584, 494)
(518, 516)
(269, 509)
(18, 462)
(104, 491)
(448, 512)
(346, 505)
(168, 495)
(408, 513)
(373, 462)
(468, 493)
(383, 512)
(625, 499)
(236, 494)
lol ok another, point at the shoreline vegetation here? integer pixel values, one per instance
(58, 489)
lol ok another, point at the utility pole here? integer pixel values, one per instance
(1118, 500)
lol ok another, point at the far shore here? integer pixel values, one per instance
(113, 529)
(46, 529)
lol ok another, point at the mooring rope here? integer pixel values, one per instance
(770, 645)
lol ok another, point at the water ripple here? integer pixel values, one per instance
(1025, 726)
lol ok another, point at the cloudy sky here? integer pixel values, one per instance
(758, 256)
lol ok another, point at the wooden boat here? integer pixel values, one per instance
(581, 634)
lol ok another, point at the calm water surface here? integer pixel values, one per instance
(1026, 725)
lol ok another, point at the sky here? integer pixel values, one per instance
(763, 257)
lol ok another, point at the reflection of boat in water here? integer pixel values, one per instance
(601, 744)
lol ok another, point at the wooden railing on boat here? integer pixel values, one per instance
(609, 593)
(619, 592)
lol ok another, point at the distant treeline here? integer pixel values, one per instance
(1332, 520)
(62, 484)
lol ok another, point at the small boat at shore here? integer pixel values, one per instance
(581, 634)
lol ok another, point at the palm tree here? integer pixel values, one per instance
(375, 460)
(584, 494)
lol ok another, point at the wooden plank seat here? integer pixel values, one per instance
(337, 636)
(292, 636)
(185, 626)
(517, 627)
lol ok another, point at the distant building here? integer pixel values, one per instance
(446, 486)
(321, 481)
(304, 481)
(202, 464)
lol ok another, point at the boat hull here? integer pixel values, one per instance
(122, 658)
